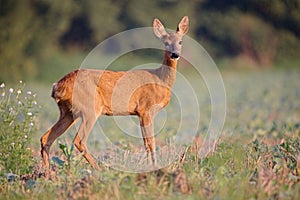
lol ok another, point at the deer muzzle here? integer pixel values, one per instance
(175, 56)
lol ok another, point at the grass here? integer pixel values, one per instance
(18, 109)
(256, 157)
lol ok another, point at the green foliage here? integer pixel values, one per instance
(23, 40)
(262, 33)
(238, 31)
(257, 156)
(255, 167)
(102, 25)
(71, 160)
(18, 110)
(274, 165)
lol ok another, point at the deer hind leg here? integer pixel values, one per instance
(64, 122)
(147, 128)
(81, 138)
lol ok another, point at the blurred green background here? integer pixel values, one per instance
(41, 40)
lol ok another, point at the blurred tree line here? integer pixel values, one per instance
(38, 37)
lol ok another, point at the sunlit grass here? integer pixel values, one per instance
(18, 110)
(256, 157)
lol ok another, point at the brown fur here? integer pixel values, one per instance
(87, 94)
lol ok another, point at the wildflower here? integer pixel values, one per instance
(12, 112)
(19, 103)
(11, 90)
(19, 91)
(34, 102)
(20, 81)
(31, 124)
(3, 94)
(2, 85)
(29, 92)
(25, 136)
(29, 113)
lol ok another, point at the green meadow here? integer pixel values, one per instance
(256, 156)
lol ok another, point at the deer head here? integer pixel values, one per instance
(172, 41)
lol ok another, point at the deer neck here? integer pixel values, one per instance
(168, 70)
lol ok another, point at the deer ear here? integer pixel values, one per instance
(183, 26)
(159, 29)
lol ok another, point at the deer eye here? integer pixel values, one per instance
(180, 42)
(167, 44)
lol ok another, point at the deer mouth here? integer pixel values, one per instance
(175, 56)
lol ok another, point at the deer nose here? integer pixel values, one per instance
(174, 56)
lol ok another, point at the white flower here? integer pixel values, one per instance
(11, 90)
(19, 103)
(29, 92)
(29, 113)
(3, 94)
(20, 81)
(25, 136)
(2, 85)
(34, 102)
(31, 124)
(19, 91)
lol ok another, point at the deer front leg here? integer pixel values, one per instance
(147, 127)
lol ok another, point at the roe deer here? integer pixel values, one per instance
(87, 94)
